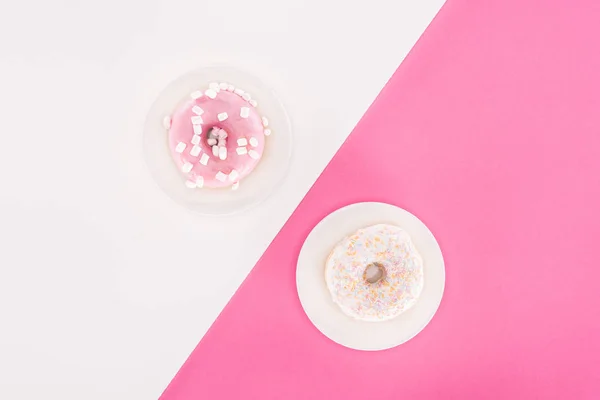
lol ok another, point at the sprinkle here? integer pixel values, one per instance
(210, 93)
(230, 88)
(215, 150)
(253, 102)
(233, 175)
(241, 150)
(254, 154)
(242, 142)
(187, 167)
(222, 134)
(200, 181)
(180, 147)
(204, 159)
(197, 110)
(197, 129)
(253, 142)
(211, 141)
(246, 96)
(265, 121)
(222, 116)
(195, 139)
(167, 122)
(235, 186)
(238, 91)
(196, 95)
(195, 151)
(222, 142)
(214, 86)
(223, 86)
(190, 184)
(221, 176)
(267, 132)
(197, 120)
(244, 112)
(223, 153)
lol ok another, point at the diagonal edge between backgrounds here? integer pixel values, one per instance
(404, 64)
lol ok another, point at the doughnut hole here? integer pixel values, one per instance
(209, 132)
(212, 133)
(374, 273)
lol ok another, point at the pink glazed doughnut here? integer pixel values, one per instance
(217, 137)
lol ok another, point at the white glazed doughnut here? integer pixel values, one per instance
(375, 274)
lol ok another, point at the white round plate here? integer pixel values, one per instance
(253, 189)
(316, 299)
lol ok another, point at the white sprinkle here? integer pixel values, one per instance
(197, 129)
(223, 85)
(253, 102)
(195, 139)
(222, 142)
(197, 120)
(253, 154)
(214, 86)
(244, 112)
(253, 142)
(195, 151)
(242, 141)
(223, 153)
(196, 95)
(213, 133)
(215, 150)
(267, 132)
(238, 91)
(210, 93)
(233, 175)
(246, 96)
(222, 116)
(241, 150)
(197, 110)
(222, 134)
(204, 159)
(211, 141)
(230, 88)
(235, 186)
(190, 184)
(187, 167)
(265, 121)
(221, 176)
(200, 181)
(180, 147)
(167, 122)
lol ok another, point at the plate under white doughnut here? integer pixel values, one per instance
(315, 296)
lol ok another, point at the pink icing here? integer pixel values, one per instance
(236, 127)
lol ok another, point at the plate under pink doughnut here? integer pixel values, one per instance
(196, 117)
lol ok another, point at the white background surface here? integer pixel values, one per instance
(106, 285)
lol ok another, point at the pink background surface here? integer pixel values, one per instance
(490, 133)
